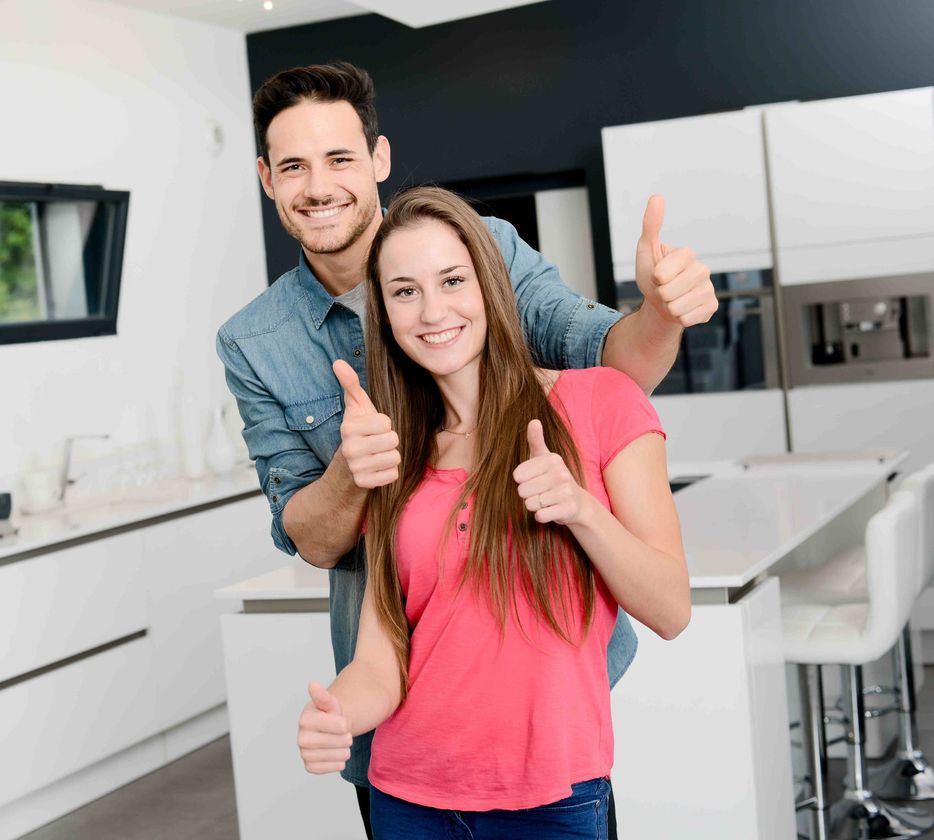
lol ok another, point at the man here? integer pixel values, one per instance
(321, 160)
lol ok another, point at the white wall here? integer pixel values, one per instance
(94, 93)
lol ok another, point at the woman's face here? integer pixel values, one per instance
(433, 297)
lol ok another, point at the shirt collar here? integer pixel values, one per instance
(319, 300)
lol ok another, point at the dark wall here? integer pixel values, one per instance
(527, 90)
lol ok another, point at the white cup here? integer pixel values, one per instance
(41, 491)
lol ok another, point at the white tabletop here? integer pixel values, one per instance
(736, 523)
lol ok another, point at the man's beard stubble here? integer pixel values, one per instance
(331, 242)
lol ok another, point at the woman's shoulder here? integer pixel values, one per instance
(597, 381)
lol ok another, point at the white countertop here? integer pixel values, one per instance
(735, 524)
(172, 496)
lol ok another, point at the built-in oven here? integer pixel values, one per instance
(865, 330)
(736, 350)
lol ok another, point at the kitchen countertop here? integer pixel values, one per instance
(77, 523)
(736, 522)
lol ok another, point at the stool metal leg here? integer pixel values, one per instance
(811, 694)
(860, 815)
(907, 776)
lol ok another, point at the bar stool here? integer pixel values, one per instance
(852, 635)
(908, 776)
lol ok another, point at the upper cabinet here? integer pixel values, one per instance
(711, 171)
(852, 183)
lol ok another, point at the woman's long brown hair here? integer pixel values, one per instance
(510, 553)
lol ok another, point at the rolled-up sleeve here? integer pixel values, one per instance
(284, 463)
(563, 329)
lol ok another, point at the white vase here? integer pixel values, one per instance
(219, 451)
(190, 430)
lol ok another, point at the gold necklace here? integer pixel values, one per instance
(465, 434)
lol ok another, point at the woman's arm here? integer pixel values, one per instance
(364, 694)
(637, 548)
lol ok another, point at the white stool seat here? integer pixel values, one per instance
(815, 634)
(841, 580)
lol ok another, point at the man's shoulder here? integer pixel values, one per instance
(267, 311)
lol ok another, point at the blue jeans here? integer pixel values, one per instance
(582, 816)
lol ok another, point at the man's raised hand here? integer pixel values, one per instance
(672, 280)
(368, 444)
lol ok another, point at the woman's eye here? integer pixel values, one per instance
(406, 291)
(453, 281)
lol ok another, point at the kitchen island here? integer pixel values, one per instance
(702, 740)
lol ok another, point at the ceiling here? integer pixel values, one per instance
(252, 16)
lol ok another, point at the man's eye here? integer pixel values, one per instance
(341, 161)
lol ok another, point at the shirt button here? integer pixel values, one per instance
(310, 418)
(591, 305)
(275, 498)
(356, 352)
(462, 526)
(277, 480)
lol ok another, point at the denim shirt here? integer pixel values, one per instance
(277, 353)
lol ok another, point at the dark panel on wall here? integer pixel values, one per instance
(526, 91)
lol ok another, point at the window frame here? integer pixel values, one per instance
(91, 325)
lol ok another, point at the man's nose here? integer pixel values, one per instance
(318, 185)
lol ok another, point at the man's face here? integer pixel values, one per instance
(321, 175)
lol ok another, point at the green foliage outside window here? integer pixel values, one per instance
(19, 297)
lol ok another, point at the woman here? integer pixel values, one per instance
(522, 508)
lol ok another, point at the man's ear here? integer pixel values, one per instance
(265, 177)
(381, 159)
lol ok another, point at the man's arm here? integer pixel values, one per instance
(564, 330)
(324, 518)
(316, 511)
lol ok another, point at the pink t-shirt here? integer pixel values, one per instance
(491, 721)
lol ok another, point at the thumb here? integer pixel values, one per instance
(536, 439)
(323, 699)
(652, 226)
(354, 395)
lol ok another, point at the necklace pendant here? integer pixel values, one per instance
(467, 435)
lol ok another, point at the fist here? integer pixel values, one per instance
(545, 483)
(673, 281)
(323, 733)
(368, 444)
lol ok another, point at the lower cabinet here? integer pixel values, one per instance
(115, 640)
(188, 559)
(271, 657)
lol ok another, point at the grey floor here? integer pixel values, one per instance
(194, 796)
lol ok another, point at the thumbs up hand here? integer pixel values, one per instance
(673, 281)
(368, 444)
(545, 482)
(324, 734)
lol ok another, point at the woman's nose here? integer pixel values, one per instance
(434, 307)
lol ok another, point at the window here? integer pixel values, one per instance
(61, 254)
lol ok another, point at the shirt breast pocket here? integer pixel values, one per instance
(319, 422)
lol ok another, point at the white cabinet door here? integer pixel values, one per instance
(711, 171)
(852, 185)
(69, 601)
(270, 660)
(187, 560)
(726, 426)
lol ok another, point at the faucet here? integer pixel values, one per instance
(63, 479)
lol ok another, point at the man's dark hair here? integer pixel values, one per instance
(336, 81)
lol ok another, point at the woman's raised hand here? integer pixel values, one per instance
(323, 732)
(368, 444)
(546, 483)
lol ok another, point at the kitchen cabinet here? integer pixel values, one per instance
(711, 171)
(852, 186)
(111, 662)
